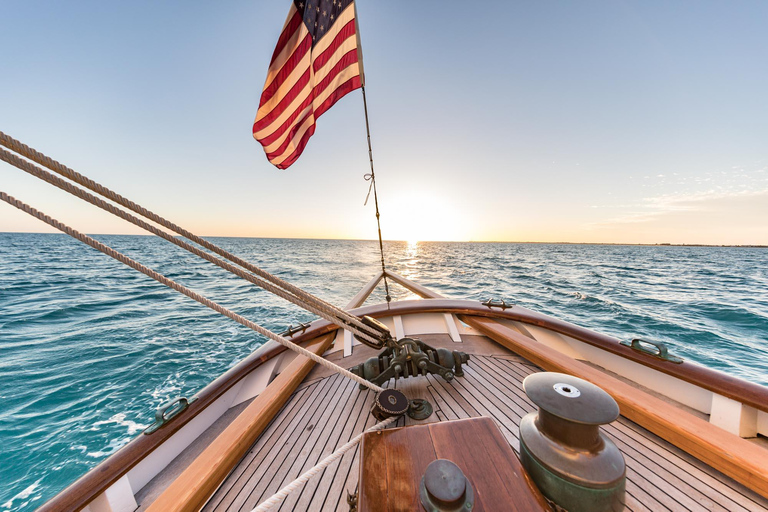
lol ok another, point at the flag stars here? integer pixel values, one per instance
(316, 26)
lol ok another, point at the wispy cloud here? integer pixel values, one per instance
(696, 193)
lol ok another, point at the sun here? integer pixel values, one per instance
(421, 216)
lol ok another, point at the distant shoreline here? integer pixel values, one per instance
(662, 244)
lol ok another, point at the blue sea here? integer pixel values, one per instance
(89, 348)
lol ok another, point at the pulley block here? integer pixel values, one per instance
(383, 337)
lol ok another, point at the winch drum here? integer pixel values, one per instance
(562, 448)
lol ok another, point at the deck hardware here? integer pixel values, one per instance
(444, 488)
(419, 409)
(389, 403)
(458, 359)
(385, 337)
(291, 330)
(567, 390)
(409, 357)
(163, 417)
(372, 322)
(572, 462)
(498, 303)
(352, 501)
(661, 352)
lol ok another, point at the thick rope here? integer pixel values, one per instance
(283, 289)
(318, 309)
(184, 290)
(303, 479)
(65, 171)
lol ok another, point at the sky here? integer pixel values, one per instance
(553, 121)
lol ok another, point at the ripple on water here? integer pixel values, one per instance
(88, 349)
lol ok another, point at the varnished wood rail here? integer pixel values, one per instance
(365, 292)
(197, 483)
(89, 486)
(109, 471)
(739, 459)
(748, 393)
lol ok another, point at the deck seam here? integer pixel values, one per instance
(659, 476)
(346, 434)
(269, 432)
(274, 484)
(286, 436)
(695, 495)
(345, 411)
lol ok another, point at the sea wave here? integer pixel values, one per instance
(89, 349)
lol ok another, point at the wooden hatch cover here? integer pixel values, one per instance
(394, 462)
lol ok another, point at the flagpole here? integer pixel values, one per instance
(375, 196)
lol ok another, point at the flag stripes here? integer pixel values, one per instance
(315, 63)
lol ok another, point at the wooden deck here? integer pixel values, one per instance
(328, 411)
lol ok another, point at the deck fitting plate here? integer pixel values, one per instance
(419, 409)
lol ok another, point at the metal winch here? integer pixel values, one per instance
(409, 357)
(561, 446)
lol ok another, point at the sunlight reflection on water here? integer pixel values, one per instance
(88, 349)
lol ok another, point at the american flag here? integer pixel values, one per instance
(316, 62)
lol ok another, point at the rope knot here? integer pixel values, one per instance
(368, 177)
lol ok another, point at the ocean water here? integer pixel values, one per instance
(89, 348)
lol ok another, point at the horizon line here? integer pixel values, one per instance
(657, 244)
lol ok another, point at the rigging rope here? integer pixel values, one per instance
(345, 319)
(184, 290)
(288, 489)
(32, 169)
(269, 282)
(372, 178)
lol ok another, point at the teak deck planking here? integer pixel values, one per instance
(96, 481)
(326, 413)
(200, 479)
(723, 450)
